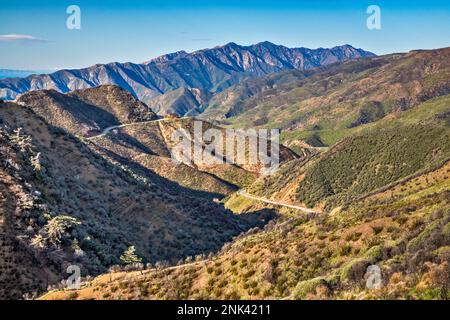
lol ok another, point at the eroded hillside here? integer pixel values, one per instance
(64, 204)
(404, 231)
(87, 112)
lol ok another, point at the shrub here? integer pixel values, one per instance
(345, 250)
(355, 270)
(377, 229)
(53, 231)
(306, 287)
(72, 295)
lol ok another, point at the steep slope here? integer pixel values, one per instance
(117, 101)
(223, 104)
(209, 70)
(150, 146)
(182, 101)
(378, 155)
(63, 204)
(143, 146)
(400, 229)
(143, 143)
(380, 191)
(332, 102)
(89, 111)
(403, 231)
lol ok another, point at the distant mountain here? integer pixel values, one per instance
(8, 73)
(182, 101)
(210, 70)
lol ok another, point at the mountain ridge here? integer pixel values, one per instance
(87, 111)
(208, 69)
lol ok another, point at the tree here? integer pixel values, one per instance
(36, 162)
(21, 140)
(130, 256)
(54, 231)
(39, 242)
(57, 226)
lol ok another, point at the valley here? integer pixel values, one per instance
(88, 173)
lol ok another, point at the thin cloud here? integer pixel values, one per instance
(21, 37)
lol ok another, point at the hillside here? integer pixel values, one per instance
(142, 142)
(62, 203)
(182, 101)
(380, 191)
(378, 155)
(210, 70)
(403, 230)
(362, 164)
(324, 105)
(87, 112)
(149, 146)
(144, 147)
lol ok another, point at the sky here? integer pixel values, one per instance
(34, 35)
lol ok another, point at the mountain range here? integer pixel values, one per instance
(9, 73)
(207, 71)
(363, 181)
(323, 105)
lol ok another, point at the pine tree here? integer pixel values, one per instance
(130, 256)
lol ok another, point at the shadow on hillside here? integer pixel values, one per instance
(245, 222)
(125, 140)
(24, 270)
(172, 186)
(205, 230)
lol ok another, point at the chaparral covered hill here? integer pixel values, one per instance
(376, 177)
(62, 203)
(321, 106)
(125, 130)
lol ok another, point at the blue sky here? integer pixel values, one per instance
(139, 30)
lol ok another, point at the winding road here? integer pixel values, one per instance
(282, 204)
(109, 129)
(240, 192)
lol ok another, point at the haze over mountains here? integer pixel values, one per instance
(209, 70)
(9, 73)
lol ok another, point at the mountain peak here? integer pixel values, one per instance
(232, 45)
(211, 70)
(167, 57)
(266, 44)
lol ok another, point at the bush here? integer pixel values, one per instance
(345, 250)
(309, 286)
(355, 270)
(72, 295)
